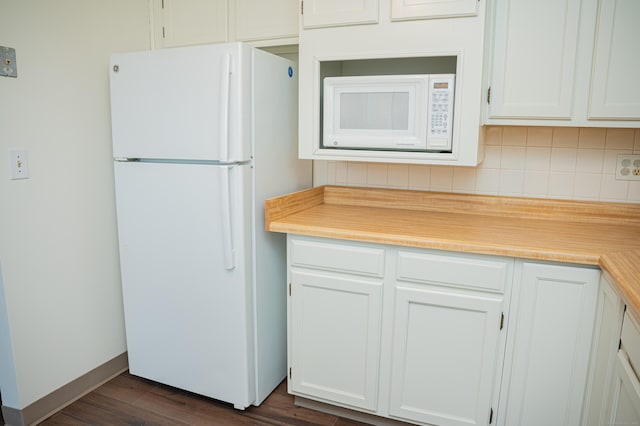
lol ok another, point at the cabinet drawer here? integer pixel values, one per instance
(631, 340)
(351, 258)
(477, 272)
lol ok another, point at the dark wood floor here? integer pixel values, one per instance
(130, 400)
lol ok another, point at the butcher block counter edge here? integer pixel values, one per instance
(582, 232)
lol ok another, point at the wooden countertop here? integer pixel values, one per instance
(592, 233)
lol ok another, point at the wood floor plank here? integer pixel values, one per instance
(126, 388)
(131, 400)
(96, 409)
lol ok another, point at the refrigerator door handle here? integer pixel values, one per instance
(225, 204)
(224, 107)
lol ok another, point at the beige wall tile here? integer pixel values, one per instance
(587, 186)
(622, 139)
(539, 136)
(464, 180)
(493, 135)
(590, 160)
(538, 158)
(613, 190)
(441, 178)
(487, 181)
(536, 184)
(566, 137)
(513, 157)
(561, 185)
(511, 182)
(514, 136)
(559, 162)
(357, 173)
(419, 177)
(398, 176)
(377, 174)
(592, 138)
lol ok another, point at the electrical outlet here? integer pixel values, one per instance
(8, 67)
(628, 167)
(18, 164)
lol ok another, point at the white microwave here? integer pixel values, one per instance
(389, 112)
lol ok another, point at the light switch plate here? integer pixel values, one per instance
(18, 164)
(8, 67)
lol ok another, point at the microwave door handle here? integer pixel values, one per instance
(224, 107)
(225, 205)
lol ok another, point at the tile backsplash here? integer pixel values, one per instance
(542, 162)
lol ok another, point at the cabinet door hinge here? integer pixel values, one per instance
(289, 372)
(163, 4)
(301, 8)
(289, 289)
(501, 320)
(491, 416)
(489, 95)
(163, 35)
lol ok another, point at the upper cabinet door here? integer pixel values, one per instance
(615, 83)
(535, 48)
(185, 22)
(265, 19)
(425, 9)
(328, 13)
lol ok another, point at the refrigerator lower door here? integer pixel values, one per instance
(187, 299)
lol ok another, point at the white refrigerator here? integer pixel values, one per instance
(202, 135)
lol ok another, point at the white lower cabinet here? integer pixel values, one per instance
(335, 328)
(624, 402)
(625, 405)
(438, 338)
(606, 341)
(446, 336)
(445, 348)
(334, 311)
(546, 366)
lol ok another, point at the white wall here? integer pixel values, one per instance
(540, 162)
(58, 247)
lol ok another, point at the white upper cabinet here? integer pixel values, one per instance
(184, 22)
(534, 55)
(564, 63)
(327, 13)
(398, 38)
(615, 84)
(260, 19)
(260, 22)
(425, 9)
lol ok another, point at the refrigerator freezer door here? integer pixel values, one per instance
(186, 301)
(182, 103)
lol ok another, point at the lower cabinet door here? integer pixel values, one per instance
(548, 358)
(445, 350)
(335, 326)
(625, 402)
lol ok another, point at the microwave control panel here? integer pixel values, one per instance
(440, 112)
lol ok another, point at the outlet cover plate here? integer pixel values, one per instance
(8, 66)
(628, 167)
